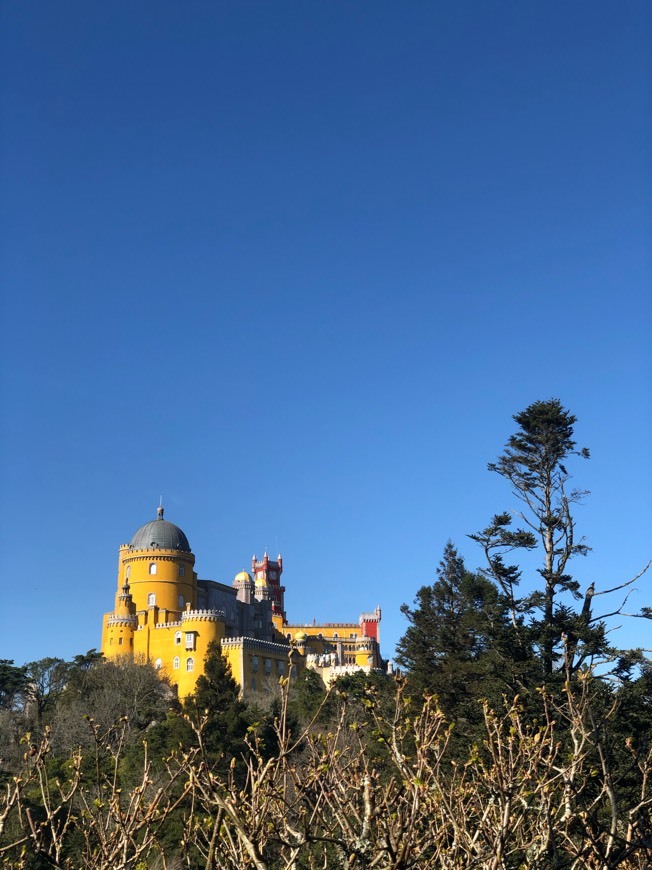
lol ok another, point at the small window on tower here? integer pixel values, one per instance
(335, 635)
(180, 602)
(175, 663)
(190, 665)
(151, 600)
(128, 571)
(182, 570)
(190, 640)
(158, 664)
(152, 567)
(119, 641)
(177, 637)
(254, 663)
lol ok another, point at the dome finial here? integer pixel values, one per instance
(159, 510)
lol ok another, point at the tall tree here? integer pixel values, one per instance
(217, 697)
(455, 643)
(534, 463)
(13, 682)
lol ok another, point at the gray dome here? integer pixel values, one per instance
(160, 534)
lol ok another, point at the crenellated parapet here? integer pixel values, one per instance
(203, 616)
(252, 644)
(122, 619)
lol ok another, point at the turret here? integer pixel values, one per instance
(267, 574)
(244, 583)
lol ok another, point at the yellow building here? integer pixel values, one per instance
(165, 614)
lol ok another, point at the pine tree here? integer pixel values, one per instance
(217, 697)
(535, 462)
(455, 646)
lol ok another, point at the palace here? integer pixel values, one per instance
(165, 614)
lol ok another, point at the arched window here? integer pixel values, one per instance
(335, 635)
(158, 664)
(254, 663)
(180, 601)
(253, 684)
(182, 570)
(151, 599)
(128, 571)
(152, 567)
(175, 664)
(190, 664)
(177, 637)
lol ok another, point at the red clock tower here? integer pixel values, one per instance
(267, 575)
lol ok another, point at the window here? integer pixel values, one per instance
(119, 641)
(335, 635)
(254, 663)
(281, 667)
(253, 684)
(128, 571)
(180, 602)
(158, 664)
(353, 635)
(289, 636)
(190, 664)
(175, 664)
(182, 570)
(152, 567)
(190, 640)
(268, 666)
(151, 600)
(177, 637)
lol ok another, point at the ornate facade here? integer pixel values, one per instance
(165, 614)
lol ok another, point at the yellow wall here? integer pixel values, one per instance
(167, 584)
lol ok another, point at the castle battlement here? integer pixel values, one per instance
(203, 616)
(129, 621)
(255, 645)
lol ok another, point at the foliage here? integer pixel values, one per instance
(534, 463)
(535, 794)
(217, 704)
(13, 682)
(456, 644)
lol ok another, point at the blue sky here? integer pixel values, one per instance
(293, 266)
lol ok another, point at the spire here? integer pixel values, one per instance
(159, 510)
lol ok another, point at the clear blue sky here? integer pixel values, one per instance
(294, 265)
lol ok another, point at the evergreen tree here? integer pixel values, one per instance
(456, 643)
(534, 463)
(13, 682)
(217, 697)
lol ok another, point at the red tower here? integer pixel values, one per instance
(267, 574)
